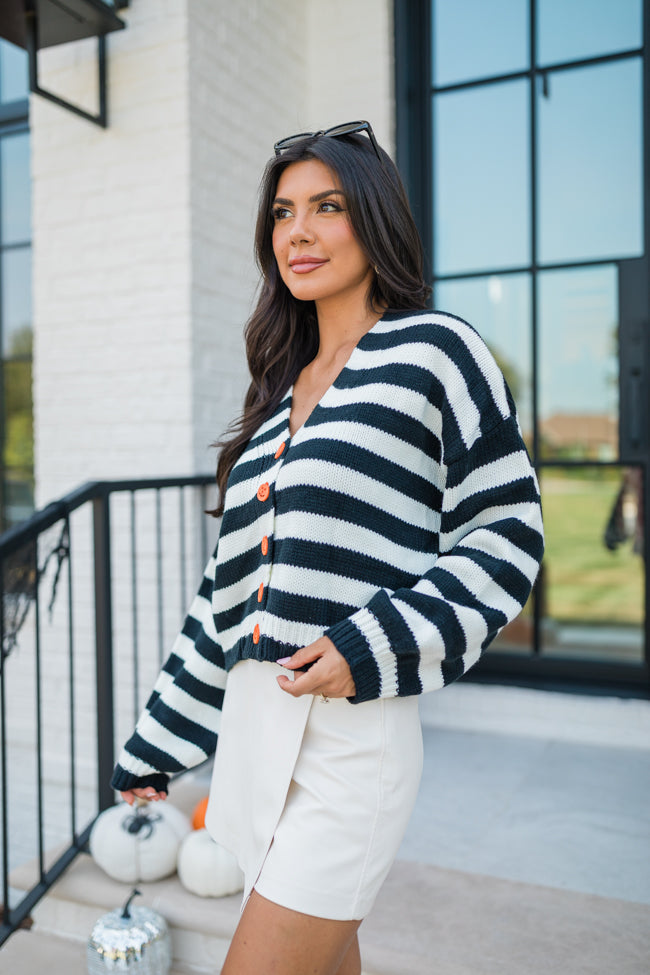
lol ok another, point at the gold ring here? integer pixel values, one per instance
(324, 699)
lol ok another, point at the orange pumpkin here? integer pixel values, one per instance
(198, 816)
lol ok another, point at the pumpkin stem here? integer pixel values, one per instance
(125, 910)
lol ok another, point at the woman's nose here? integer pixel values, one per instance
(301, 230)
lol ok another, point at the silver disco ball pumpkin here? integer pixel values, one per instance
(134, 939)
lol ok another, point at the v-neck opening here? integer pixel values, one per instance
(345, 366)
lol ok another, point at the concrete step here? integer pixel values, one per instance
(32, 953)
(201, 928)
(425, 919)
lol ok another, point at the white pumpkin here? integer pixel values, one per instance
(138, 843)
(207, 869)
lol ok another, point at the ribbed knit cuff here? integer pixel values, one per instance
(352, 644)
(122, 781)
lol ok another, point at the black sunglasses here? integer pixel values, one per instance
(348, 128)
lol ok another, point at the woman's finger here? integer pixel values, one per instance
(330, 676)
(148, 793)
(306, 655)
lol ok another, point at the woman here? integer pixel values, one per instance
(381, 524)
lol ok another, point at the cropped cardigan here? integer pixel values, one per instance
(402, 520)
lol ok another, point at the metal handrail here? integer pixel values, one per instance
(96, 494)
(17, 536)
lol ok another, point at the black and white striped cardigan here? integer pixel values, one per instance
(402, 520)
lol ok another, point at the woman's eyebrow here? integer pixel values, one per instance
(283, 201)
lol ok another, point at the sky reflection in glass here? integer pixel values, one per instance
(591, 164)
(15, 199)
(16, 299)
(478, 39)
(578, 324)
(572, 29)
(481, 178)
(13, 72)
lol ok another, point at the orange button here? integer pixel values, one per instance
(265, 545)
(263, 492)
(256, 633)
(260, 592)
(280, 450)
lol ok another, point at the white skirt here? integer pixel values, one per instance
(312, 797)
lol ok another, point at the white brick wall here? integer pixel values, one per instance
(112, 268)
(246, 64)
(351, 65)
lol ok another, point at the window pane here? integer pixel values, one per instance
(15, 198)
(16, 302)
(593, 579)
(586, 28)
(591, 164)
(18, 453)
(13, 72)
(578, 396)
(481, 178)
(19, 437)
(499, 308)
(19, 499)
(478, 38)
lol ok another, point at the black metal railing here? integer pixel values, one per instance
(93, 586)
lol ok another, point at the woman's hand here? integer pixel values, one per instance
(330, 675)
(148, 793)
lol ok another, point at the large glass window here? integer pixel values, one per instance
(536, 218)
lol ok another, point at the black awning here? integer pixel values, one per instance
(59, 21)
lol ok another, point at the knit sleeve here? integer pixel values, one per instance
(491, 543)
(179, 725)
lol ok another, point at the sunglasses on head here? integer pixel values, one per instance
(348, 128)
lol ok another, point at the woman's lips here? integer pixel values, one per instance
(303, 265)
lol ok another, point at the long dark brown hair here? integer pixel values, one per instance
(282, 333)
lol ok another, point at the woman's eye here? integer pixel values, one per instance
(329, 206)
(279, 213)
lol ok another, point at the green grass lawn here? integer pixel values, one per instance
(585, 582)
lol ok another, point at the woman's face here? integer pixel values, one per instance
(318, 255)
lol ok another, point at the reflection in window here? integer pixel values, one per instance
(499, 308)
(481, 178)
(16, 301)
(478, 38)
(13, 72)
(586, 28)
(578, 396)
(591, 164)
(593, 590)
(15, 195)
(19, 434)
